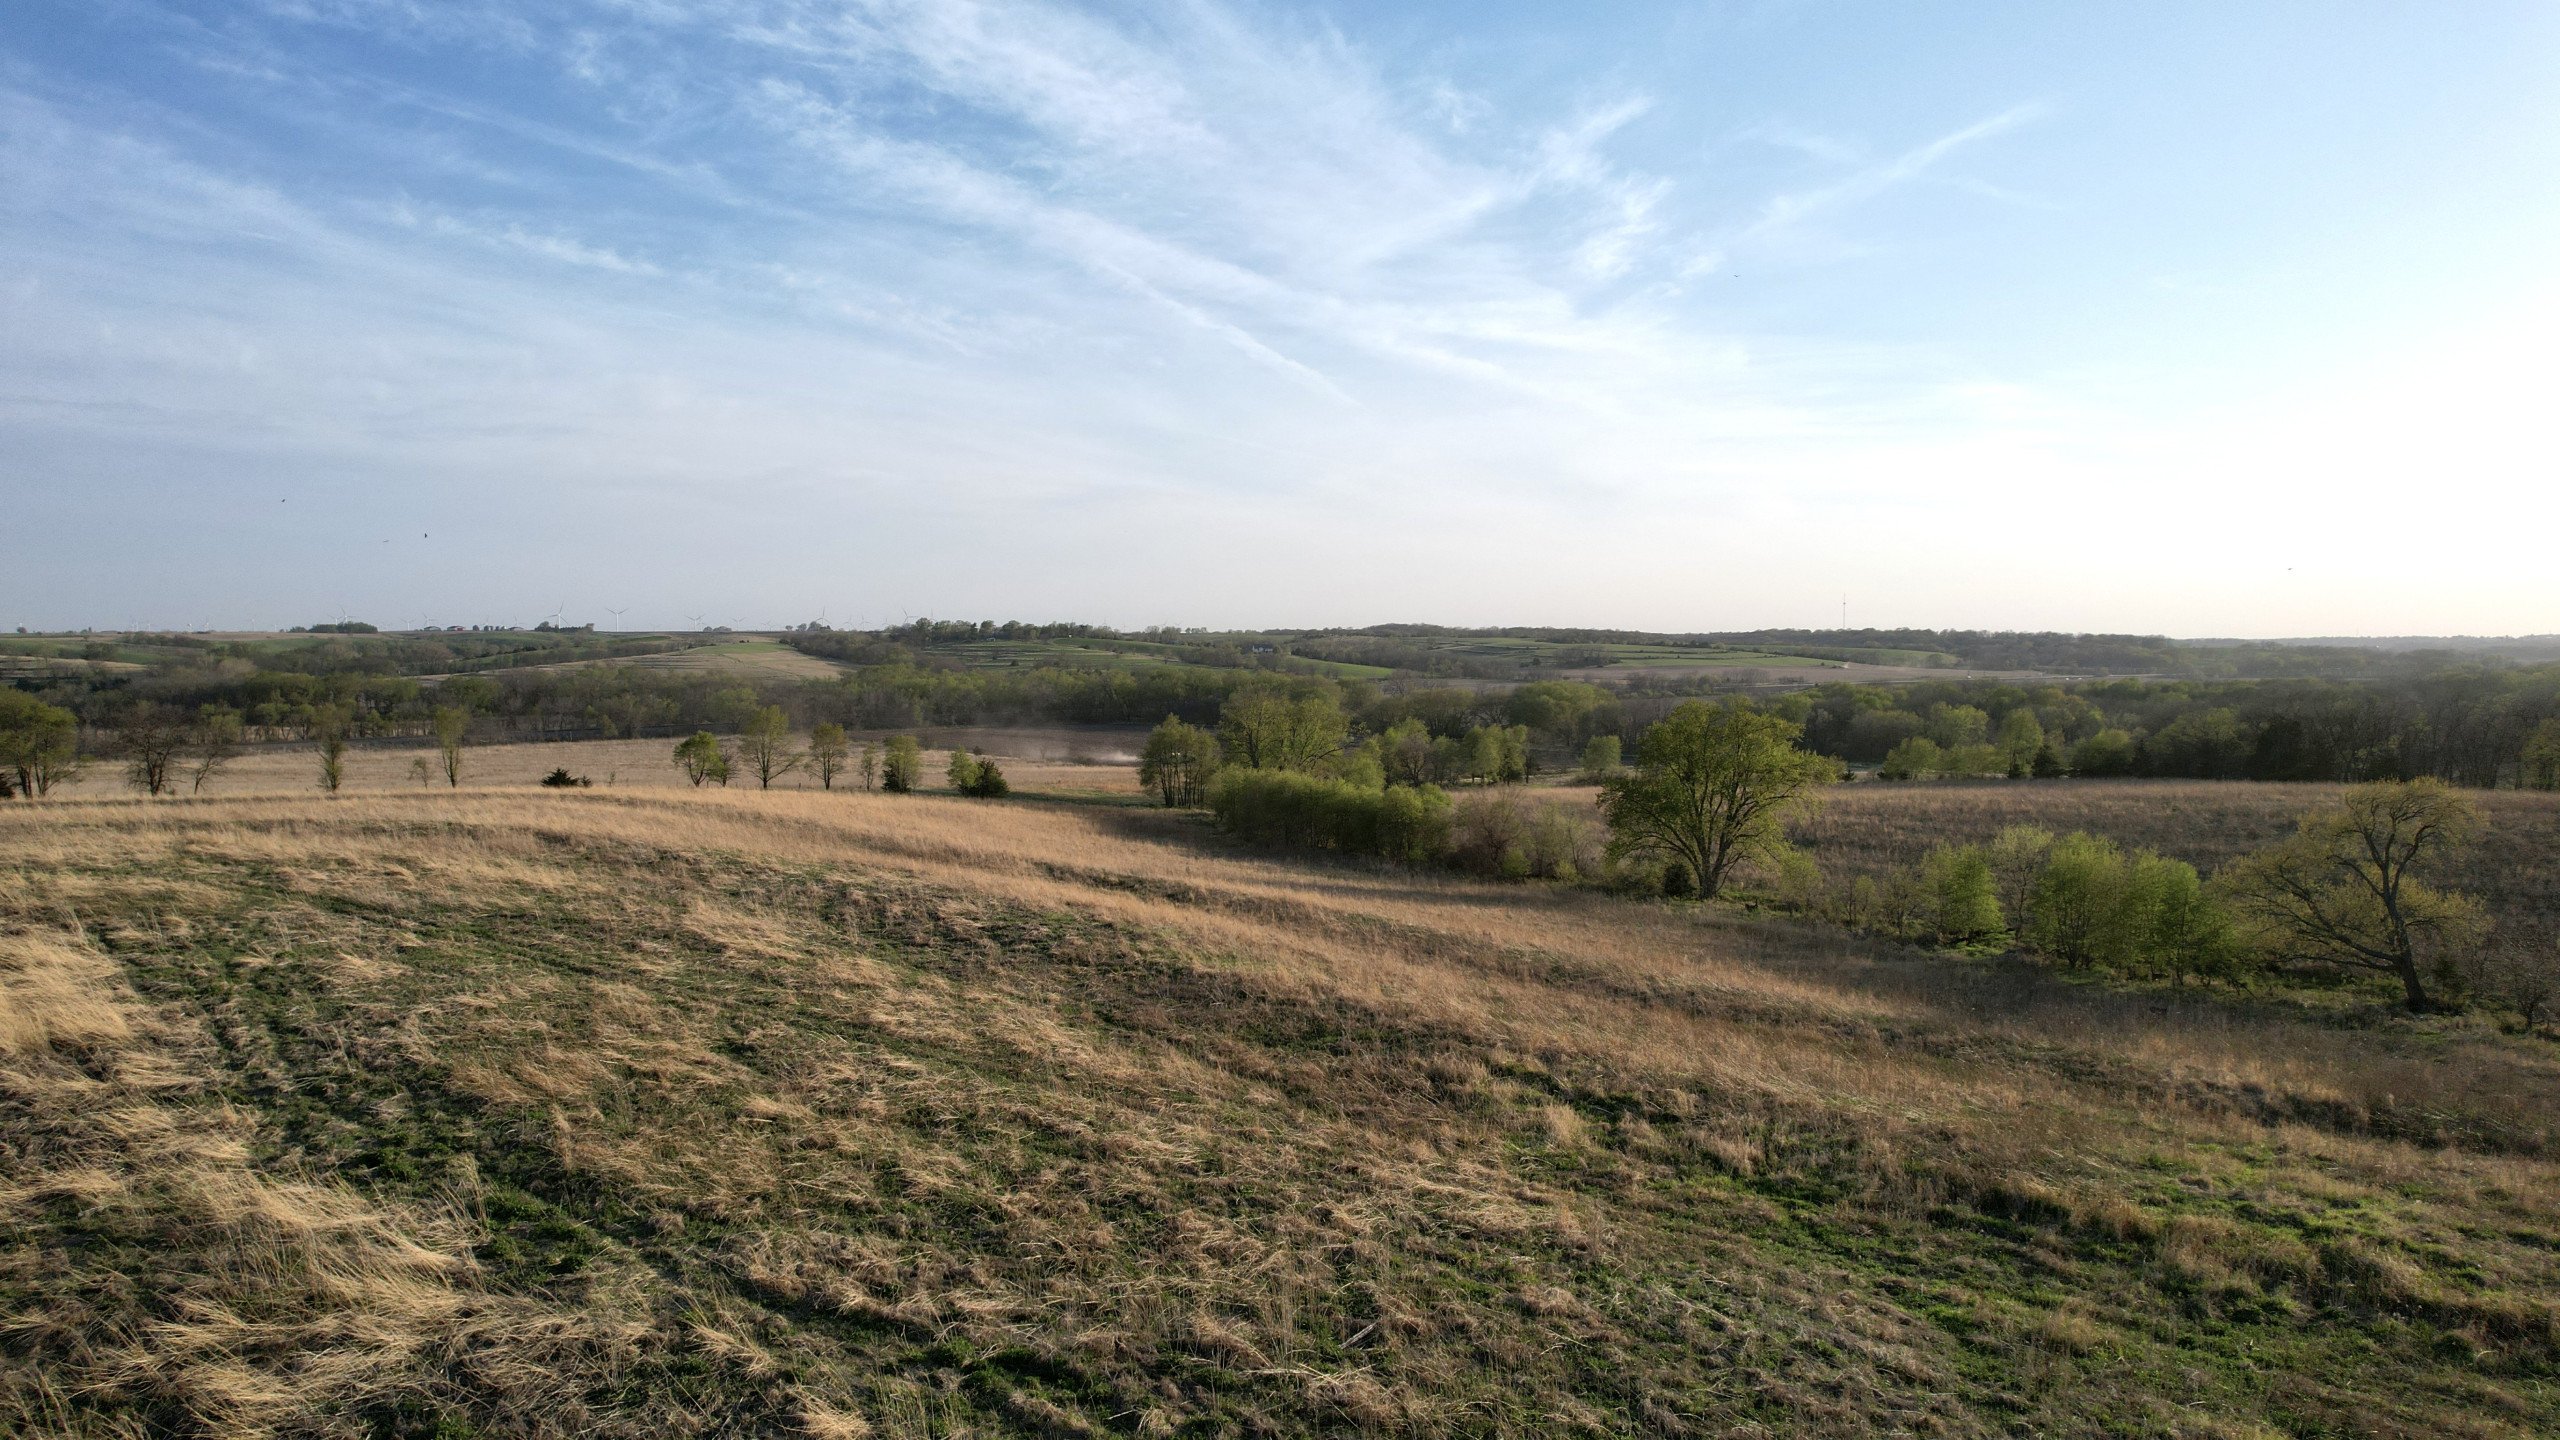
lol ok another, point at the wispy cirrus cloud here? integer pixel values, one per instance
(1791, 215)
(1026, 254)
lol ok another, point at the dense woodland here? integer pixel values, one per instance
(2467, 717)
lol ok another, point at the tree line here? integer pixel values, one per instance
(2473, 725)
(2480, 727)
(1712, 787)
(765, 750)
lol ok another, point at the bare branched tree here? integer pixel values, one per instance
(453, 729)
(149, 738)
(212, 741)
(827, 752)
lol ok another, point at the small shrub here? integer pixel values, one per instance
(1963, 903)
(901, 764)
(986, 782)
(702, 759)
(2077, 901)
(1601, 758)
(1500, 832)
(561, 779)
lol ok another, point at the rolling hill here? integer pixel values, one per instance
(618, 1113)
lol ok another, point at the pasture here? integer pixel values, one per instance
(651, 1111)
(1093, 761)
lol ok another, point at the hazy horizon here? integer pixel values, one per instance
(743, 626)
(1678, 318)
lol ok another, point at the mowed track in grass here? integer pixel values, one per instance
(730, 1113)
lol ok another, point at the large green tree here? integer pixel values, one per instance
(1177, 763)
(2348, 889)
(901, 764)
(1271, 725)
(1712, 785)
(701, 759)
(39, 743)
(2021, 736)
(1556, 709)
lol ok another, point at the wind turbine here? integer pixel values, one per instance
(617, 616)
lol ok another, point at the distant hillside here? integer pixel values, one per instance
(2529, 648)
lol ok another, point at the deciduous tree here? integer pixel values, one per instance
(2520, 972)
(1917, 758)
(701, 759)
(149, 738)
(1600, 758)
(2109, 752)
(1712, 785)
(1177, 763)
(453, 729)
(1267, 725)
(2077, 901)
(2542, 756)
(212, 741)
(39, 743)
(1964, 898)
(2348, 889)
(2021, 738)
(901, 764)
(827, 752)
(329, 727)
(2017, 857)
(764, 746)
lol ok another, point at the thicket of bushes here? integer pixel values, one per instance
(1288, 807)
(1490, 832)
(2077, 899)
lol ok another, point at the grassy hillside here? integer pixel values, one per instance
(612, 1113)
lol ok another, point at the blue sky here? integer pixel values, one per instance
(2205, 319)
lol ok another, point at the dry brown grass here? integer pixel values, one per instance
(271, 1299)
(846, 1114)
(1084, 763)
